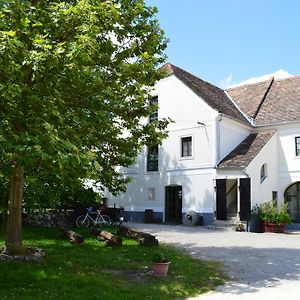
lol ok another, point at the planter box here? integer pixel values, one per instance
(160, 269)
(272, 227)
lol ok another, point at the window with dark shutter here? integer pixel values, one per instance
(154, 114)
(152, 159)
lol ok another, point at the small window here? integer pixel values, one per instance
(186, 147)
(275, 198)
(152, 159)
(297, 145)
(154, 114)
(151, 194)
(263, 173)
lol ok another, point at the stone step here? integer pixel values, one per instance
(229, 225)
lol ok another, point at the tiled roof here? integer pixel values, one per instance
(246, 151)
(269, 102)
(215, 97)
(249, 97)
(282, 103)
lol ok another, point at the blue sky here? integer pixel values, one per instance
(228, 41)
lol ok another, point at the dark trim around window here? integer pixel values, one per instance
(297, 145)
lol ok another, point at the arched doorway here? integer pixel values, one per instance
(292, 198)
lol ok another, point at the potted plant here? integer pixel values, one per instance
(273, 219)
(160, 264)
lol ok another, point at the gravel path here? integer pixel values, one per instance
(261, 265)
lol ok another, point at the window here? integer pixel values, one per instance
(263, 173)
(154, 114)
(274, 197)
(151, 194)
(186, 147)
(152, 158)
(297, 144)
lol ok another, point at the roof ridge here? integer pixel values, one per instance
(196, 77)
(288, 78)
(212, 95)
(248, 84)
(263, 98)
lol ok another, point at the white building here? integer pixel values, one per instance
(226, 151)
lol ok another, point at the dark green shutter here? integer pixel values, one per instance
(245, 199)
(221, 199)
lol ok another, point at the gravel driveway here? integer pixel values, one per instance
(261, 265)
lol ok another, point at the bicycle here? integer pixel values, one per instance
(83, 221)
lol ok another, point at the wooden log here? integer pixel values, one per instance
(74, 238)
(111, 240)
(145, 242)
(146, 239)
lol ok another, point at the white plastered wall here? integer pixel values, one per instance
(194, 174)
(288, 162)
(262, 191)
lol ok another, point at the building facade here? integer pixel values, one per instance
(226, 151)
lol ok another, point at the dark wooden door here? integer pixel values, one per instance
(173, 204)
(245, 199)
(221, 199)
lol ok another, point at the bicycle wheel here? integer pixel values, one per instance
(107, 220)
(82, 222)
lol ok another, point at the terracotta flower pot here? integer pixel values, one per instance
(272, 227)
(160, 269)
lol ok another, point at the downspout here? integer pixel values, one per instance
(217, 156)
(217, 139)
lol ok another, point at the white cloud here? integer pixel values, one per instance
(277, 75)
(227, 82)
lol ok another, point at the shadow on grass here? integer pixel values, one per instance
(78, 271)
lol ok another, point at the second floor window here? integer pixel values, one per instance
(154, 115)
(152, 158)
(186, 147)
(297, 144)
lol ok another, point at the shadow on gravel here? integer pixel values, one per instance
(250, 268)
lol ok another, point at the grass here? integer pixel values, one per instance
(79, 271)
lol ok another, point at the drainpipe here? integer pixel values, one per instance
(217, 138)
(216, 155)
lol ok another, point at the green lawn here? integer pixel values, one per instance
(80, 271)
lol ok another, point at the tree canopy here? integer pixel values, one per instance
(75, 77)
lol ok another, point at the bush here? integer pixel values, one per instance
(269, 212)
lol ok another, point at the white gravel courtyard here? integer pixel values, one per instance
(261, 265)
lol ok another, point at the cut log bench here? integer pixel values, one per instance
(146, 239)
(74, 238)
(110, 239)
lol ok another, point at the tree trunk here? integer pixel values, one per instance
(14, 218)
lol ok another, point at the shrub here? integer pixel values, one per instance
(269, 212)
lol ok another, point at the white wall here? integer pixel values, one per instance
(288, 162)
(262, 191)
(232, 134)
(194, 174)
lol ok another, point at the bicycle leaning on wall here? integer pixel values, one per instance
(86, 220)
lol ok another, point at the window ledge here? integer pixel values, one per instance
(186, 158)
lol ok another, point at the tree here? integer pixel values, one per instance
(75, 77)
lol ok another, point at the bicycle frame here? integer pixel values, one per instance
(98, 220)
